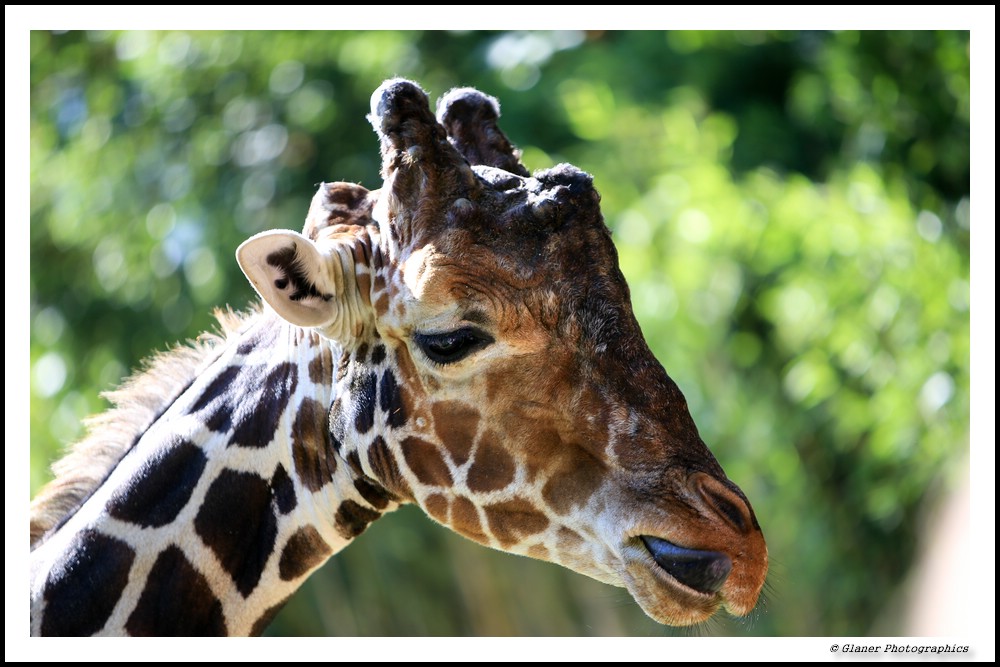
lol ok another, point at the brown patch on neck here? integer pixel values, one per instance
(382, 304)
(539, 551)
(568, 541)
(265, 619)
(465, 520)
(437, 506)
(373, 494)
(352, 519)
(321, 367)
(303, 552)
(176, 600)
(312, 449)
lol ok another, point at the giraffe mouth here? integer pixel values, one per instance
(703, 572)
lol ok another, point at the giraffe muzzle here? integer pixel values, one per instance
(704, 552)
(702, 571)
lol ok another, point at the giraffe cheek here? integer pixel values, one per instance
(426, 462)
(573, 484)
(513, 520)
(493, 468)
(455, 424)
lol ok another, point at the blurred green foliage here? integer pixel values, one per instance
(791, 211)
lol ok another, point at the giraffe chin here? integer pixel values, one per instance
(665, 597)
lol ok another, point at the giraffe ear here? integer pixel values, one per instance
(305, 284)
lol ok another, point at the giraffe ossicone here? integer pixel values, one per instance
(461, 338)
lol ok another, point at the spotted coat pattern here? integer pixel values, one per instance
(461, 339)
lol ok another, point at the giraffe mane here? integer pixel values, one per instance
(136, 404)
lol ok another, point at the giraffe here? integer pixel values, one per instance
(461, 339)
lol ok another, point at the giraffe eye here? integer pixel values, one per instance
(452, 346)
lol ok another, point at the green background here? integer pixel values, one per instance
(791, 211)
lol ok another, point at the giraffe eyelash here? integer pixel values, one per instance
(450, 347)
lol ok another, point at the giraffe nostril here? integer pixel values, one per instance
(730, 511)
(724, 502)
(704, 571)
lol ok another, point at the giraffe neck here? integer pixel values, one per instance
(220, 510)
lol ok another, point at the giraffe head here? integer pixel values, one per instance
(493, 371)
